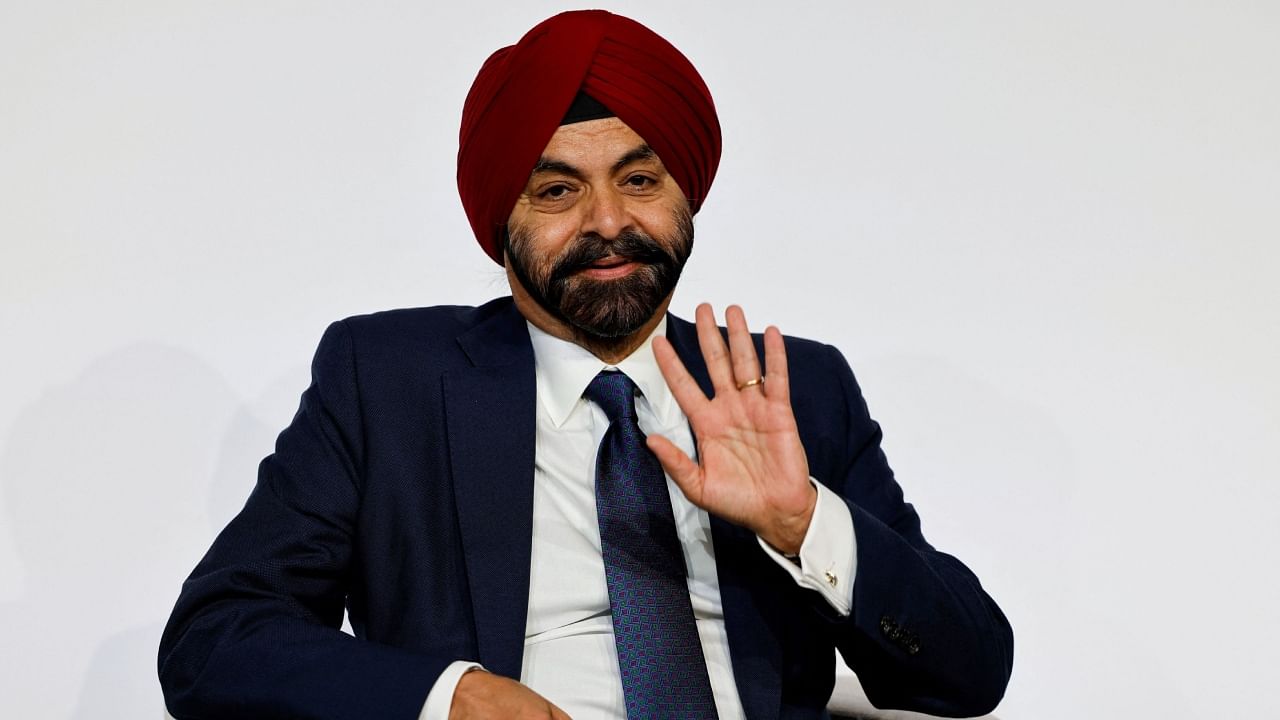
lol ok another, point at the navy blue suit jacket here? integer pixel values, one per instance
(403, 490)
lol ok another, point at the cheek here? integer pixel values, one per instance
(543, 242)
(659, 220)
(546, 232)
(554, 239)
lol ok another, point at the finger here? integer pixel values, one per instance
(682, 469)
(557, 713)
(777, 381)
(714, 351)
(746, 366)
(684, 388)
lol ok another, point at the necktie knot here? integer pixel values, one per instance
(615, 393)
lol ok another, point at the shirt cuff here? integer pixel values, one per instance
(828, 559)
(440, 699)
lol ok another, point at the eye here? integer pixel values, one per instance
(639, 182)
(555, 192)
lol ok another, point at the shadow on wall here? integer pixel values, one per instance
(114, 485)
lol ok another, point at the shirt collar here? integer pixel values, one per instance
(565, 369)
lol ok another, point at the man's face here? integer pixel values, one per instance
(601, 232)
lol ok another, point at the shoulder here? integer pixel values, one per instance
(422, 324)
(421, 336)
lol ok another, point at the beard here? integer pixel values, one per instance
(603, 312)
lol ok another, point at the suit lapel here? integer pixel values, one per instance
(490, 410)
(754, 649)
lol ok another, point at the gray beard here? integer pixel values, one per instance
(603, 313)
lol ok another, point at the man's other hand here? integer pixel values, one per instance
(482, 695)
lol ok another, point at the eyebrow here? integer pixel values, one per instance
(548, 165)
(644, 152)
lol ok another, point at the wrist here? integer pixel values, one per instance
(787, 532)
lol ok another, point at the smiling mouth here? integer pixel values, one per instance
(609, 262)
(613, 266)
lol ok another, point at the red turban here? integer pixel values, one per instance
(522, 92)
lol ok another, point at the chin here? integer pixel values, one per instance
(612, 328)
(611, 308)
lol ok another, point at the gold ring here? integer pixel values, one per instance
(749, 383)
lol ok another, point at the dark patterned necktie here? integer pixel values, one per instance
(664, 675)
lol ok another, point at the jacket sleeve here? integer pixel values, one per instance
(922, 634)
(255, 631)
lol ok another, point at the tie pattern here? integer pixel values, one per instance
(664, 674)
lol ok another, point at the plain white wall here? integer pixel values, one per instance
(1044, 234)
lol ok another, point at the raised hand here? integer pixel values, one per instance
(752, 468)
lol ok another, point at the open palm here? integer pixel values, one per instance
(751, 467)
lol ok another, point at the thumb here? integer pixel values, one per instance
(684, 471)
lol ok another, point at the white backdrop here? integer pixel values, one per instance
(1045, 235)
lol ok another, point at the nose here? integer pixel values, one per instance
(606, 213)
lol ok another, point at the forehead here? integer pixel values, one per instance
(591, 142)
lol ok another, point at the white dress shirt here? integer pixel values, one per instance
(569, 654)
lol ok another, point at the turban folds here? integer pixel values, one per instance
(523, 91)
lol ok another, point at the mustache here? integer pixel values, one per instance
(589, 249)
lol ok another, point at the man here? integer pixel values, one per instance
(566, 502)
